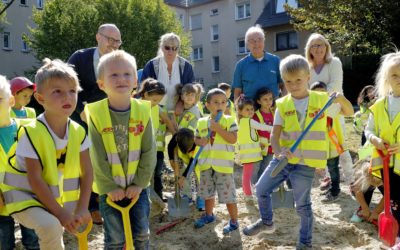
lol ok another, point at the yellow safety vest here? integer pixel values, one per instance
(220, 155)
(249, 147)
(99, 114)
(231, 107)
(155, 118)
(313, 149)
(18, 193)
(263, 140)
(30, 113)
(387, 131)
(160, 134)
(186, 118)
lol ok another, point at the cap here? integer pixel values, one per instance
(20, 83)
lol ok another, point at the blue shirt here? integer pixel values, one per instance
(251, 75)
(20, 113)
(8, 136)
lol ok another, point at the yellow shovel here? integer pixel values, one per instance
(82, 236)
(126, 220)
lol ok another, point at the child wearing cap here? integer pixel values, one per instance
(22, 89)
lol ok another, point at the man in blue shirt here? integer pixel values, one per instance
(258, 69)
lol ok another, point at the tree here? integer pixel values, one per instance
(3, 8)
(352, 26)
(64, 26)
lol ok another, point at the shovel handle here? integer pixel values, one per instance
(386, 181)
(82, 236)
(126, 220)
(278, 168)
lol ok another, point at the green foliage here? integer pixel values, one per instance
(67, 25)
(352, 26)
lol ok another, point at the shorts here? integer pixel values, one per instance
(212, 181)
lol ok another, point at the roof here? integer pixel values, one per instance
(269, 18)
(187, 3)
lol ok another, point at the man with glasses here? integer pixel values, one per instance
(258, 69)
(85, 62)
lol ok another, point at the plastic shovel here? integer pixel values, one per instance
(126, 220)
(178, 207)
(284, 161)
(387, 224)
(82, 236)
(282, 198)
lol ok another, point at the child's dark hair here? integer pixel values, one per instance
(260, 93)
(195, 88)
(151, 87)
(318, 85)
(242, 101)
(363, 96)
(214, 92)
(224, 86)
(185, 139)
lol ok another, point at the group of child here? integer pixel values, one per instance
(45, 191)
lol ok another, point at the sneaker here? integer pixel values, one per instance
(301, 246)
(355, 218)
(205, 219)
(230, 227)
(257, 227)
(200, 204)
(330, 198)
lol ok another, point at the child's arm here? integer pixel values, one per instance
(85, 183)
(45, 196)
(378, 210)
(165, 119)
(228, 136)
(201, 141)
(369, 132)
(260, 126)
(346, 107)
(276, 147)
(364, 206)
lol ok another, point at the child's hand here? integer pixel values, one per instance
(365, 213)
(320, 172)
(117, 194)
(214, 126)
(201, 141)
(379, 143)
(285, 153)
(373, 216)
(83, 216)
(181, 181)
(394, 148)
(133, 191)
(68, 221)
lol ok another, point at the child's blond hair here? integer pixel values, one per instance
(5, 86)
(294, 64)
(388, 62)
(195, 88)
(114, 56)
(55, 69)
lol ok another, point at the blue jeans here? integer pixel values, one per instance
(301, 177)
(333, 169)
(114, 237)
(263, 164)
(7, 238)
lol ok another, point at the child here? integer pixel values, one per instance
(294, 112)
(264, 115)
(217, 160)
(124, 150)
(384, 123)
(365, 99)
(22, 89)
(230, 108)
(189, 94)
(8, 135)
(49, 186)
(336, 141)
(249, 145)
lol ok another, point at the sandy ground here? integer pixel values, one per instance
(332, 226)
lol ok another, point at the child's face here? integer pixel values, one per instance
(216, 104)
(297, 84)
(58, 97)
(394, 79)
(247, 111)
(189, 99)
(6, 102)
(23, 97)
(266, 101)
(154, 99)
(118, 79)
(370, 94)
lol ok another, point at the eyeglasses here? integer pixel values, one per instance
(257, 40)
(317, 46)
(168, 48)
(112, 40)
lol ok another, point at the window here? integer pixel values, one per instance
(215, 64)
(280, 5)
(286, 41)
(197, 54)
(195, 22)
(39, 4)
(241, 47)
(214, 12)
(214, 32)
(7, 41)
(181, 19)
(23, 2)
(242, 10)
(24, 45)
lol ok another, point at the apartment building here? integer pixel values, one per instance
(15, 55)
(218, 28)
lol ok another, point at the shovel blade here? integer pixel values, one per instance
(282, 199)
(388, 229)
(178, 208)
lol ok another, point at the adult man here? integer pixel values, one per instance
(85, 62)
(258, 69)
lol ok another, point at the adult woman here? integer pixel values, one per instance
(169, 68)
(324, 66)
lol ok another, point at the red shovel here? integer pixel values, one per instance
(387, 224)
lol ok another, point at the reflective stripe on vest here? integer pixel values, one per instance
(138, 121)
(19, 194)
(313, 149)
(389, 132)
(249, 148)
(219, 156)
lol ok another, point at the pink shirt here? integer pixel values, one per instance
(269, 120)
